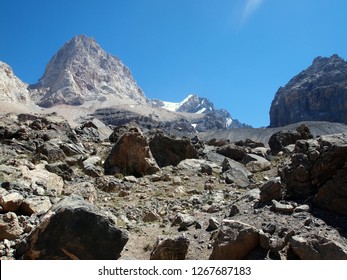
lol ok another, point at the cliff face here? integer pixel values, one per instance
(82, 71)
(12, 89)
(318, 93)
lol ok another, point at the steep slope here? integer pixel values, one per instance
(318, 93)
(12, 89)
(81, 71)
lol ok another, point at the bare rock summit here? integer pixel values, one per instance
(82, 71)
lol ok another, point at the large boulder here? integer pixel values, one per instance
(131, 155)
(316, 247)
(279, 140)
(235, 240)
(75, 229)
(318, 168)
(232, 151)
(171, 151)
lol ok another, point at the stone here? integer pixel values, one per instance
(150, 217)
(35, 205)
(131, 156)
(302, 208)
(11, 202)
(72, 149)
(50, 151)
(316, 247)
(91, 166)
(183, 221)
(61, 169)
(171, 151)
(232, 151)
(279, 140)
(234, 210)
(75, 229)
(272, 189)
(9, 226)
(283, 208)
(84, 189)
(170, 248)
(255, 163)
(213, 224)
(234, 241)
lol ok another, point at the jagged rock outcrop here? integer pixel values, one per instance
(12, 89)
(81, 71)
(75, 229)
(318, 93)
(318, 168)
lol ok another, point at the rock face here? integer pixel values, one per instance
(12, 89)
(76, 230)
(81, 71)
(318, 167)
(131, 155)
(318, 93)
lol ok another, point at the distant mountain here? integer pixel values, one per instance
(212, 118)
(318, 93)
(81, 71)
(12, 89)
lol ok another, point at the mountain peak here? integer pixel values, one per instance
(82, 71)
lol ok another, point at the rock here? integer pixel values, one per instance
(183, 221)
(61, 169)
(269, 228)
(11, 202)
(150, 217)
(83, 189)
(91, 166)
(167, 248)
(9, 226)
(283, 208)
(234, 172)
(171, 151)
(271, 190)
(250, 144)
(235, 240)
(234, 210)
(131, 156)
(213, 224)
(255, 163)
(279, 140)
(316, 247)
(232, 151)
(302, 208)
(42, 177)
(35, 205)
(50, 151)
(316, 94)
(75, 229)
(72, 149)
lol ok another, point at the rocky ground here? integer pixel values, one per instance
(72, 194)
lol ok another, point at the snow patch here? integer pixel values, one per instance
(228, 122)
(173, 106)
(201, 111)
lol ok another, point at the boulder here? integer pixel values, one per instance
(171, 151)
(255, 163)
(10, 227)
(35, 205)
(235, 172)
(170, 248)
(75, 229)
(61, 169)
(91, 166)
(131, 155)
(235, 240)
(272, 189)
(11, 202)
(279, 140)
(50, 151)
(232, 151)
(316, 247)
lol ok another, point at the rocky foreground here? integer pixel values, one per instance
(71, 193)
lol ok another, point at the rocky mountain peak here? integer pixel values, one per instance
(82, 71)
(12, 89)
(318, 93)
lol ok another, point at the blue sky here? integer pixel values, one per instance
(237, 53)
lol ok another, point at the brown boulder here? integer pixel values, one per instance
(235, 240)
(131, 155)
(170, 248)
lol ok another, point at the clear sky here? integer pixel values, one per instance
(237, 53)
